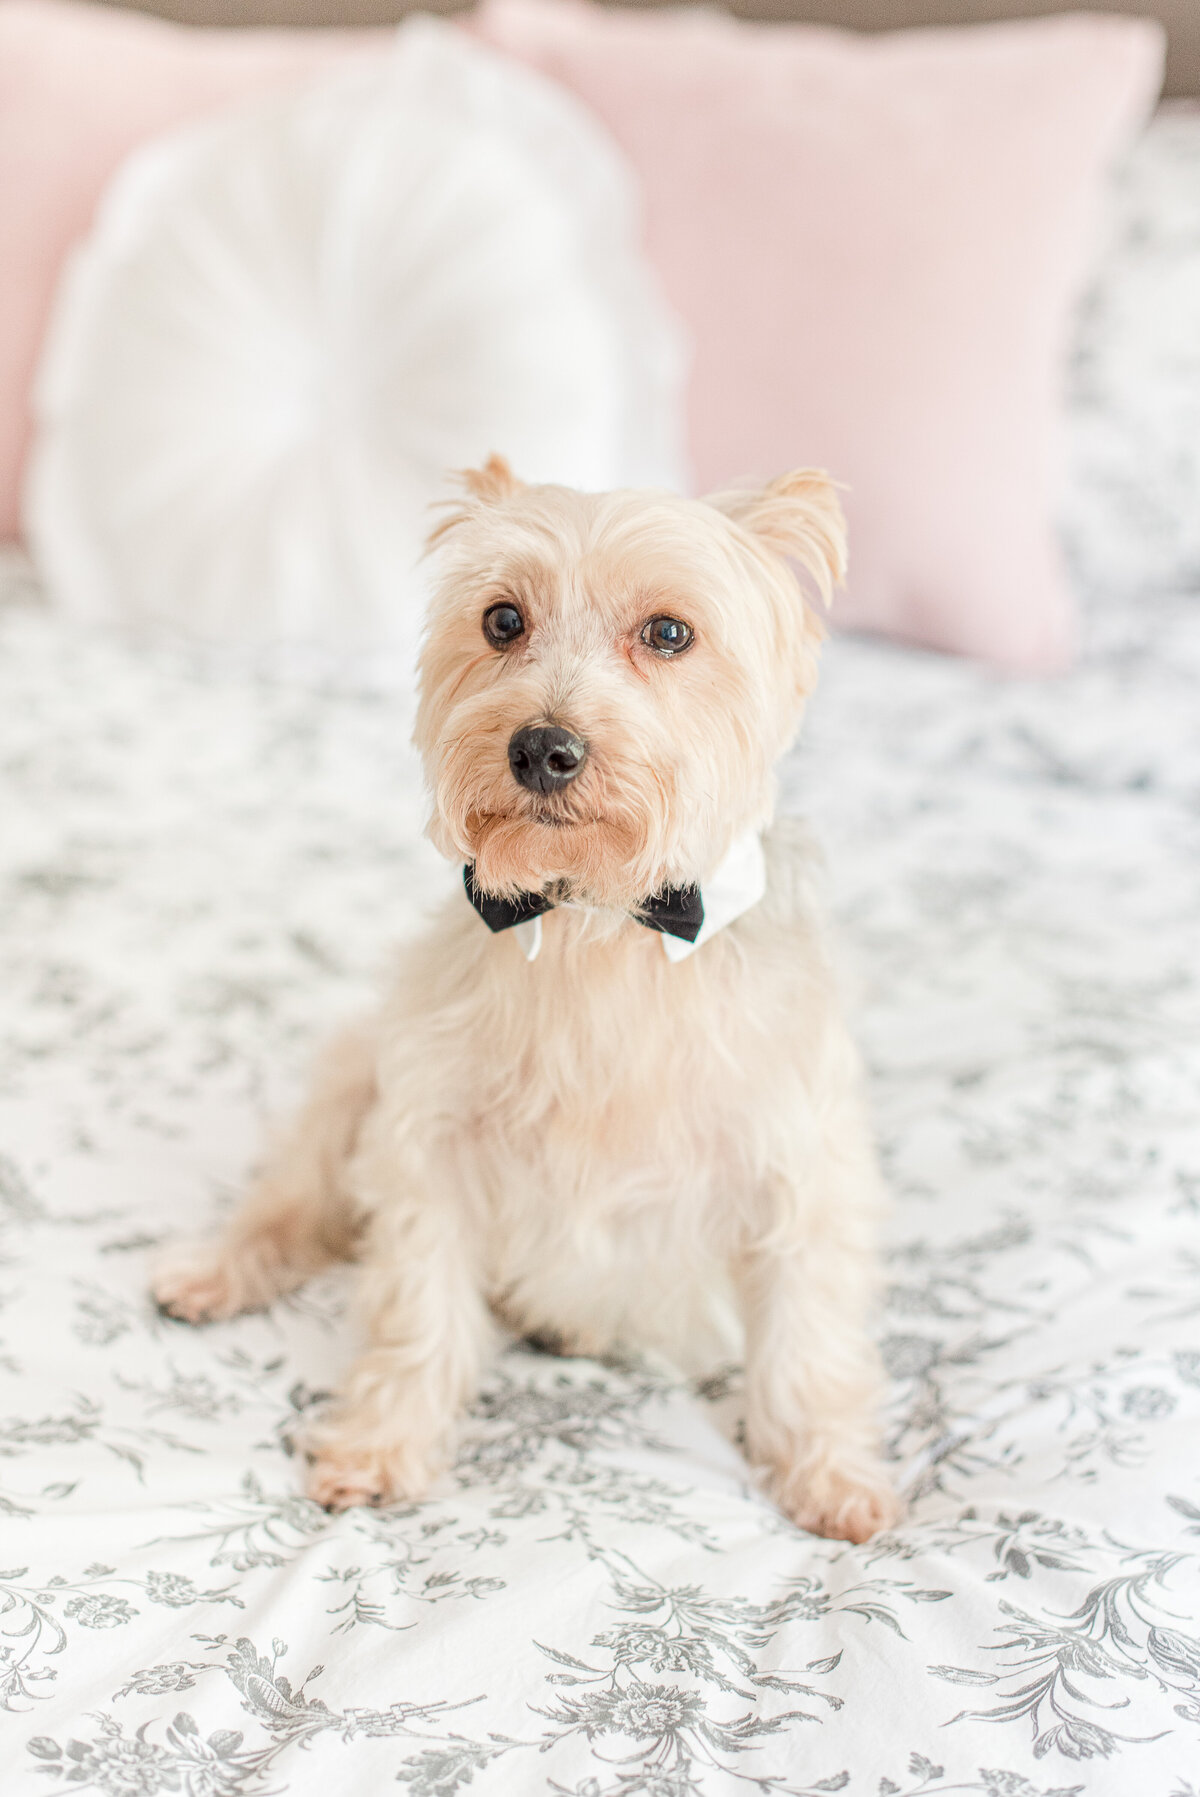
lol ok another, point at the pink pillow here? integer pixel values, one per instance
(876, 242)
(80, 86)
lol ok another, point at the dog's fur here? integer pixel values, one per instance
(600, 1146)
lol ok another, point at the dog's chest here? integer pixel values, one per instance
(611, 1076)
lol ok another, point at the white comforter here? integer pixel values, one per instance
(199, 874)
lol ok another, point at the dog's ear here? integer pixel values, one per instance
(800, 517)
(495, 480)
(481, 486)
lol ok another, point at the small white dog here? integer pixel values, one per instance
(639, 1102)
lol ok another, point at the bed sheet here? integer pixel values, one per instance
(199, 874)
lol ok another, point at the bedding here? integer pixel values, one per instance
(1131, 511)
(201, 872)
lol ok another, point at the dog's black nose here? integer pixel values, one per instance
(545, 757)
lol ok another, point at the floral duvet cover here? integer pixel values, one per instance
(199, 873)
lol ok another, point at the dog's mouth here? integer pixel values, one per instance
(528, 822)
(544, 813)
(519, 847)
(550, 817)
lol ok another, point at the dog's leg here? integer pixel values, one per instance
(813, 1379)
(429, 1328)
(297, 1217)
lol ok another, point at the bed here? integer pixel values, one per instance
(201, 871)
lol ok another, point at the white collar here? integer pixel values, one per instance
(735, 884)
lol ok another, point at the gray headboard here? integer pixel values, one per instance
(1181, 17)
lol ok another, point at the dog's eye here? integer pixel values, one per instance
(503, 624)
(667, 636)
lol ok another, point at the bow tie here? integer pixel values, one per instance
(683, 920)
(675, 911)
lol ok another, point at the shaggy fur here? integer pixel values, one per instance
(599, 1146)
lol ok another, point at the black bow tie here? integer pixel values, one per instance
(675, 911)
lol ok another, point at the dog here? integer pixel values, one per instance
(609, 1098)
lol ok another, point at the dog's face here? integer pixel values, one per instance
(608, 679)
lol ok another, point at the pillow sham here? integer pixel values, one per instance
(877, 243)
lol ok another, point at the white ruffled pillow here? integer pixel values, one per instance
(288, 325)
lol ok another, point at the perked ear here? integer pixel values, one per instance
(485, 486)
(801, 518)
(495, 480)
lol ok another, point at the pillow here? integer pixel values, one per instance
(80, 86)
(289, 323)
(1131, 506)
(876, 242)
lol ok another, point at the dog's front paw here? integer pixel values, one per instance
(345, 1471)
(342, 1481)
(203, 1288)
(847, 1500)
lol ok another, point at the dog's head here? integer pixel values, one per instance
(608, 679)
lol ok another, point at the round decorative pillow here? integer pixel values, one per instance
(289, 325)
